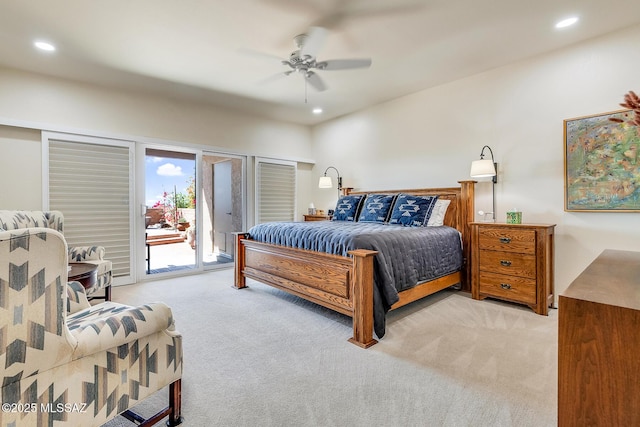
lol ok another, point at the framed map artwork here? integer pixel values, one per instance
(602, 163)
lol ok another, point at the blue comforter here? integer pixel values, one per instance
(406, 256)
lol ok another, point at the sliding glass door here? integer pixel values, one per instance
(170, 235)
(194, 203)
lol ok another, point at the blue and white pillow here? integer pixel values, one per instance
(412, 211)
(376, 208)
(348, 207)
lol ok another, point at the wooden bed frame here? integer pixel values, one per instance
(345, 284)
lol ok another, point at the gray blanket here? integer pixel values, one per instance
(406, 256)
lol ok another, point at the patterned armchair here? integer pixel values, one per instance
(13, 220)
(82, 368)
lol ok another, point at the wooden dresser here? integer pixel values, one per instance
(599, 344)
(513, 262)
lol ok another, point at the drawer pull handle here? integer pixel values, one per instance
(505, 263)
(505, 286)
(505, 240)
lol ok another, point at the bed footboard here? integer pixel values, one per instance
(342, 284)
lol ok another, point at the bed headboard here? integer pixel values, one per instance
(461, 209)
(460, 213)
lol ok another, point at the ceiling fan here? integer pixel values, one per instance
(304, 61)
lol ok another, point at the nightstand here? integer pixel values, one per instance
(513, 262)
(317, 217)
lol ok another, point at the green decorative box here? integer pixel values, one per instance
(514, 217)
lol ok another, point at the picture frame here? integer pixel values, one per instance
(602, 163)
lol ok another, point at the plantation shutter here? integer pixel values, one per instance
(90, 182)
(275, 190)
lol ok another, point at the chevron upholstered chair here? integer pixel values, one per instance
(13, 220)
(67, 363)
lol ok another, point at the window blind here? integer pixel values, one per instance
(90, 184)
(275, 191)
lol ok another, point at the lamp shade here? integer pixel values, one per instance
(325, 182)
(482, 168)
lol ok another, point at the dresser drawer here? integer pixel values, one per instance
(511, 288)
(510, 263)
(507, 239)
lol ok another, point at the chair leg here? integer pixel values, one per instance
(173, 410)
(175, 403)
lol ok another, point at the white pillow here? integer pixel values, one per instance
(437, 215)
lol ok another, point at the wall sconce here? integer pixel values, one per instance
(484, 168)
(325, 181)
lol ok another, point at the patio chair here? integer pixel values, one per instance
(13, 220)
(82, 368)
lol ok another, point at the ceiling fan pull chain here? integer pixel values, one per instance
(305, 89)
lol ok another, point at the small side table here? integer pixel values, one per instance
(87, 275)
(513, 262)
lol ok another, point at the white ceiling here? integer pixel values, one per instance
(199, 49)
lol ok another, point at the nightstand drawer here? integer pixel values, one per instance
(510, 263)
(511, 288)
(317, 217)
(507, 239)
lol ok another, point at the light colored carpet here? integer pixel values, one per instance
(260, 357)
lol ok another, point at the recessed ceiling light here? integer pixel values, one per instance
(567, 22)
(317, 110)
(42, 45)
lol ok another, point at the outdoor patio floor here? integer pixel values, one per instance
(177, 256)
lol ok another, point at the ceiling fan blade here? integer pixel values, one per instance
(316, 37)
(344, 64)
(315, 81)
(273, 78)
(259, 55)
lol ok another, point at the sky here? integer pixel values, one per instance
(162, 173)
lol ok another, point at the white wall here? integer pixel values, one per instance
(20, 169)
(61, 104)
(430, 138)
